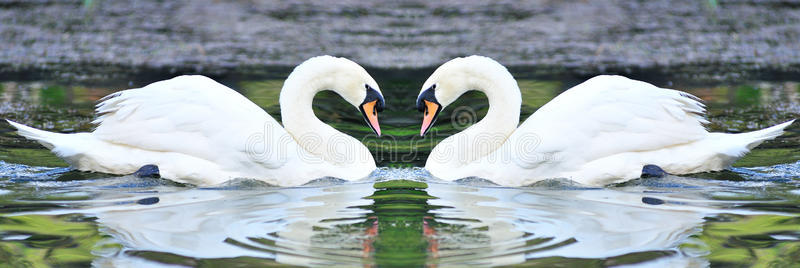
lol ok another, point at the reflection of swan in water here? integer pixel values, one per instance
(594, 224)
(336, 225)
(208, 223)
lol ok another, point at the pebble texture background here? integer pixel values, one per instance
(718, 38)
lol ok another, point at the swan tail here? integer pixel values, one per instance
(70, 147)
(47, 139)
(727, 148)
(83, 151)
(753, 139)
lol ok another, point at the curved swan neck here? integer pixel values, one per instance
(488, 134)
(297, 114)
(296, 100)
(505, 100)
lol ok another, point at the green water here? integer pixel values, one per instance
(400, 217)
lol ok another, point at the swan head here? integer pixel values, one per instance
(450, 81)
(371, 105)
(349, 80)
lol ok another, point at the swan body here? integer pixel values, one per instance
(201, 132)
(599, 132)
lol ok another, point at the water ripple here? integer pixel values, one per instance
(386, 222)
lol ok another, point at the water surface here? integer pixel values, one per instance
(400, 216)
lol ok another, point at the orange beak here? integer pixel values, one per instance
(371, 116)
(431, 112)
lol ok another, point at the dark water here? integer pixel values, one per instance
(400, 217)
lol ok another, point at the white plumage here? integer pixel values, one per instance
(201, 132)
(601, 131)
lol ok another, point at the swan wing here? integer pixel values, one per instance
(190, 115)
(608, 115)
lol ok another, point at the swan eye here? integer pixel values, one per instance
(373, 95)
(426, 95)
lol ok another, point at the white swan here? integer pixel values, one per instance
(599, 132)
(201, 132)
